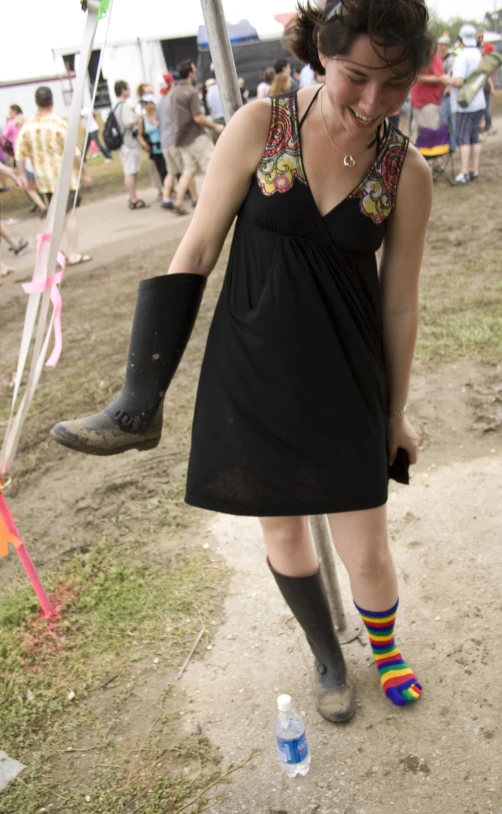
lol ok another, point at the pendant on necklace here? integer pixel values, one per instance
(349, 161)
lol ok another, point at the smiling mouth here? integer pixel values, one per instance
(362, 119)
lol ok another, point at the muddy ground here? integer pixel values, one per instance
(445, 753)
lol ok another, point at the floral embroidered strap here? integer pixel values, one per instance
(377, 191)
(281, 162)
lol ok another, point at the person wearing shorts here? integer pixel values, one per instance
(468, 119)
(130, 149)
(171, 153)
(196, 148)
(41, 141)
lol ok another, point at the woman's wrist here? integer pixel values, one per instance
(393, 414)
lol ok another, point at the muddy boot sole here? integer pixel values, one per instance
(336, 704)
(99, 435)
(66, 440)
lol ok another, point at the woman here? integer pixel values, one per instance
(143, 90)
(281, 84)
(263, 89)
(301, 401)
(149, 135)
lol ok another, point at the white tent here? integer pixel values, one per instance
(133, 50)
(59, 25)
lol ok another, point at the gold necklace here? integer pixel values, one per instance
(348, 159)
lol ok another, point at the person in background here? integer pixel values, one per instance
(489, 89)
(283, 66)
(263, 89)
(468, 119)
(307, 76)
(92, 131)
(142, 90)
(281, 84)
(42, 139)
(149, 135)
(195, 145)
(171, 153)
(445, 114)
(426, 97)
(10, 132)
(15, 121)
(213, 102)
(130, 149)
(244, 91)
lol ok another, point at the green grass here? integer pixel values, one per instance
(114, 611)
(461, 291)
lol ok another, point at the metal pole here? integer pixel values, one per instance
(222, 56)
(348, 627)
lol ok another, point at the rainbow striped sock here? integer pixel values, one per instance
(398, 681)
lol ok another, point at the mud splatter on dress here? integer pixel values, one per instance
(291, 409)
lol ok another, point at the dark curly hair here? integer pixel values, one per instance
(386, 22)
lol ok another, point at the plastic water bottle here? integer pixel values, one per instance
(291, 741)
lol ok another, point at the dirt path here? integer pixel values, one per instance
(439, 755)
(444, 753)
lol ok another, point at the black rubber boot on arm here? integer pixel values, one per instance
(307, 599)
(166, 310)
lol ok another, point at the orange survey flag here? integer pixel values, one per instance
(7, 537)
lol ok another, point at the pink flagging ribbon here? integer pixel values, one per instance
(51, 282)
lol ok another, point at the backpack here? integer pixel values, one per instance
(112, 134)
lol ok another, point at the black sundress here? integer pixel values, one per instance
(291, 410)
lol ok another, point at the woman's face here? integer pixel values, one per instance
(362, 89)
(149, 108)
(11, 114)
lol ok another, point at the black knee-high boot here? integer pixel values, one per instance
(166, 310)
(307, 599)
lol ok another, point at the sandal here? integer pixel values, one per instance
(82, 258)
(139, 204)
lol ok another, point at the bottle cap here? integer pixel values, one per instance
(284, 703)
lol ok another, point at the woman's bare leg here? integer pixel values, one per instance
(289, 545)
(293, 561)
(361, 541)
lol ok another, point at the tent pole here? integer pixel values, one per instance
(222, 57)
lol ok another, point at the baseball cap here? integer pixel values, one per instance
(165, 82)
(468, 35)
(444, 39)
(148, 97)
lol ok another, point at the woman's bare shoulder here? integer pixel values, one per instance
(415, 167)
(246, 134)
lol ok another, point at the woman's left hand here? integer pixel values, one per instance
(401, 434)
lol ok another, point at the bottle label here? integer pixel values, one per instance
(293, 751)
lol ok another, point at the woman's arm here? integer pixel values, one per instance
(399, 275)
(235, 159)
